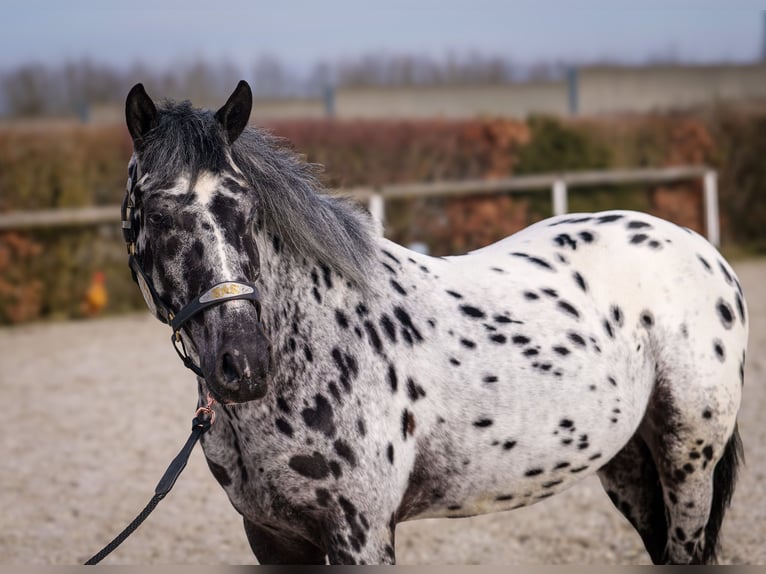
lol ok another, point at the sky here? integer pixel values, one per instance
(301, 32)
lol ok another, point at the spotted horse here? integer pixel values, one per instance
(361, 384)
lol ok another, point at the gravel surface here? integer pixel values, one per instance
(94, 411)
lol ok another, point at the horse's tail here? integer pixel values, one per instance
(724, 480)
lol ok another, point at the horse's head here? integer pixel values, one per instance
(192, 222)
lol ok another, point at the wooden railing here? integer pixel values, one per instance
(557, 183)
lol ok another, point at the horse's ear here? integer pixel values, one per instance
(235, 113)
(140, 113)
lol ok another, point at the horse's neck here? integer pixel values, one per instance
(298, 290)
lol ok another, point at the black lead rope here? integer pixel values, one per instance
(200, 425)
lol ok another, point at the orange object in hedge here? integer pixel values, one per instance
(96, 297)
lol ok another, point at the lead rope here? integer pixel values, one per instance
(203, 419)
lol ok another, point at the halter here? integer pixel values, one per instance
(219, 293)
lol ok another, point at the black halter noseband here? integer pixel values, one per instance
(219, 293)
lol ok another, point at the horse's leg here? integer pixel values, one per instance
(271, 548)
(696, 448)
(353, 540)
(633, 485)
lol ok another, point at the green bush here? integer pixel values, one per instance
(554, 147)
(742, 180)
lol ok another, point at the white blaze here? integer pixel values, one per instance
(206, 185)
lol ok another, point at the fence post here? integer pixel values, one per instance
(329, 101)
(377, 209)
(573, 90)
(559, 192)
(710, 182)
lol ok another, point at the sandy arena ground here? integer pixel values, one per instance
(94, 411)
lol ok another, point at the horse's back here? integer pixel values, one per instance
(665, 282)
(645, 262)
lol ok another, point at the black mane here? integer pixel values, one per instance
(328, 229)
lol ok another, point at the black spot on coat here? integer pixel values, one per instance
(390, 256)
(472, 311)
(314, 466)
(327, 276)
(414, 390)
(392, 379)
(323, 497)
(638, 225)
(576, 339)
(617, 316)
(705, 264)
(565, 240)
(388, 327)
(404, 318)
(580, 281)
(725, 313)
(341, 319)
(608, 218)
(569, 309)
(740, 308)
(718, 348)
(647, 319)
(372, 333)
(345, 451)
(219, 472)
(320, 418)
(535, 260)
(726, 274)
(408, 424)
(397, 287)
(284, 427)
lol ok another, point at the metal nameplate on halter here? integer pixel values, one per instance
(224, 291)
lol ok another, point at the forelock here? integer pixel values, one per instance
(187, 140)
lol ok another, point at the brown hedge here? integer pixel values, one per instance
(46, 273)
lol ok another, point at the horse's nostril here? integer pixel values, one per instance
(229, 369)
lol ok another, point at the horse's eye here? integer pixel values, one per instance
(159, 220)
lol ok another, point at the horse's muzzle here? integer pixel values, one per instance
(239, 371)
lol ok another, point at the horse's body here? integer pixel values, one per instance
(424, 387)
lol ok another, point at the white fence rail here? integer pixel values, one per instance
(558, 184)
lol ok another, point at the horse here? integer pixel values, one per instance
(357, 384)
